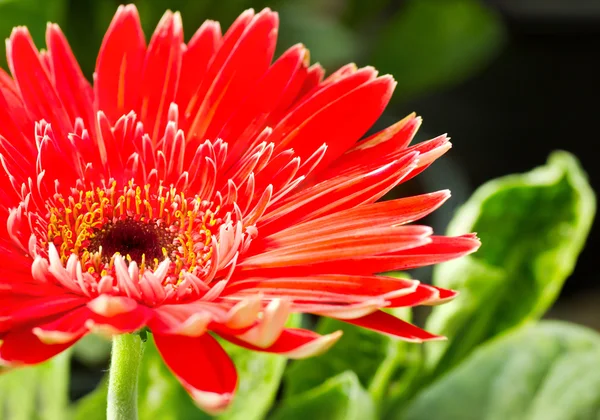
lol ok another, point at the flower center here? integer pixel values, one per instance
(143, 224)
(133, 238)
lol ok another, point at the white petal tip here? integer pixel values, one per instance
(315, 347)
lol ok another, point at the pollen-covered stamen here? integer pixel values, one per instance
(143, 224)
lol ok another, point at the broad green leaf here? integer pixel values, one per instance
(532, 228)
(339, 398)
(36, 392)
(31, 13)
(372, 356)
(161, 396)
(430, 44)
(547, 371)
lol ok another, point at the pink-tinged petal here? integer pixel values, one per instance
(23, 347)
(340, 247)
(355, 163)
(192, 325)
(71, 85)
(323, 288)
(347, 311)
(295, 343)
(189, 319)
(66, 329)
(37, 90)
(245, 313)
(120, 323)
(442, 296)
(440, 249)
(271, 324)
(203, 368)
(196, 58)
(120, 63)
(422, 294)
(336, 194)
(161, 74)
(389, 140)
(388, 324)
(109, 306)
(385, 213)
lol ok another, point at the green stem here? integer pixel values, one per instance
(127, 351)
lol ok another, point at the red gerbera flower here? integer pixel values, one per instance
(200, 187)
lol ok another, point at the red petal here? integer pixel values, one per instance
(336, 194)
(340, 247)
(202, 366)
(161, 74)
(26, 310)
(120, 64)
(389, 324)
(295, 343)
(121, 323)
(331, 288)
(71, 85)
(440, 249)
(386, 213)
(65, 329)
(23, 347)
(341, 123)
(253, 52)
(196, 58)
(250, 117)
(37, 90)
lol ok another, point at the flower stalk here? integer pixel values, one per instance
(127, 352)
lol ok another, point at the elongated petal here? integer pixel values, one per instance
(74, 90)
(23, 347)
(337, 194)
(326, 288)
(340, 247)
(386, 213)
(388, 324)
(203, 368)
(295, 343)
(65, 329)
(161, 74)
(36, 88)
(120, 62)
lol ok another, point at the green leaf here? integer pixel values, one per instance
(373, 357)
(435, 43)
(36, 392)
(532, 228)
(161, 396)
(543, 372)
(31, 13)
(339, 398)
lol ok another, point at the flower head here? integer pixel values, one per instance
(203, 187)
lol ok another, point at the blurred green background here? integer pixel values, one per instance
(510, 80)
